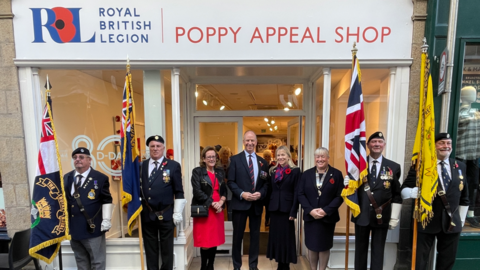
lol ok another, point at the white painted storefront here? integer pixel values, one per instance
(213, 42)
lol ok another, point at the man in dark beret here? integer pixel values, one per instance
(452, 193)
(163, 203)
(380, 205)
(90, 211)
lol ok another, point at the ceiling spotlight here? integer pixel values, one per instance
(289, 104)
(271, 129)
(205, 102)
(266, 119)
(196, 94)
(272, 122)
(286, 109)
(268, 124)
(298, 91)
(223, 107)
(276, 128)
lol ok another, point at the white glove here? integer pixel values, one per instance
(178, 210)
(106, 225)
(346, 180)
(106, 216)
(396, 209)
(463, 213)
(408, 193)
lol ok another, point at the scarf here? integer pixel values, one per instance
(279, 173)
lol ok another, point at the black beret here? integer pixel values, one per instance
(376, 135)
(442, 136)
(81, 150)
(156, 138)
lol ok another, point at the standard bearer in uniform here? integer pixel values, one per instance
(380, 205)
(163, 203)
(90, 211)
(449, 206)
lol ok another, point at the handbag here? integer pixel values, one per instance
(199, 211)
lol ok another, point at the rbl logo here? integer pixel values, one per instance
(63, 25)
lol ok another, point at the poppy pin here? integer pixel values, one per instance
(288, 171)
(332, 181)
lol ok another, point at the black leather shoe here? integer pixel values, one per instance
(236, 268)
(253, 268)
(473, 222)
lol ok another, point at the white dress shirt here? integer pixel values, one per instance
(439, 170)
(378, 164)
(151, 165)
(84, 177)
(255, 165)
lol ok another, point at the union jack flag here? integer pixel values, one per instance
(48, 210)
(355, 150)
(47, 130)
(131, 202)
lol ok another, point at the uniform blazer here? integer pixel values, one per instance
(202, 186)
(239, 181)
(283, 196)
(93, 205)
(160, 192)
(382, 192)
(455, 197)
(329, 201)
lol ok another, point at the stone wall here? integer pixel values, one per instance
(13, 165)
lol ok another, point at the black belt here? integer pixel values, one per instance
(443, 196)
(378, 210)
(90, 221)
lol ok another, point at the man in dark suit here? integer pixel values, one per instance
(247, 179)
(444, 225)
(89, 209)
(380, 205)
(163, 202)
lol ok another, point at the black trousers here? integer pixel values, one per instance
(472, 181)
(239, 223)
(446, 247)
(152, 232)
(379, 236)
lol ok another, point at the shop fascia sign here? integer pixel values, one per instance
(212, 29)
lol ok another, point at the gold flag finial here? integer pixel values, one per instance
(47, 85)
(354, 50)
(425, 45)
(128, 64)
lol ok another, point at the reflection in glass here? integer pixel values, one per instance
(87, 106)
(467, 147)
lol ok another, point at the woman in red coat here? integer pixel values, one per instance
(209, 189)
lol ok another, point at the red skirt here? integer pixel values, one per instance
(210, 231)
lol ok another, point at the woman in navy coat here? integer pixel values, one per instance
(283, 207)
(319, 193)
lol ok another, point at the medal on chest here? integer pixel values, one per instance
(91, 194)
(166, 176)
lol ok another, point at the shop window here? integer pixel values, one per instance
(467, 143)
(246, 97)
(87, 106)
(375, 88)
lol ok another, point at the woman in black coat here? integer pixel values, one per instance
(209, 189)
(283, 207)
(319, 193)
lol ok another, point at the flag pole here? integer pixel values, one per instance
(139, 219)
(347, 233)
(418, 165)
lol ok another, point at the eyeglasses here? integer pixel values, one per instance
(211, 157)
